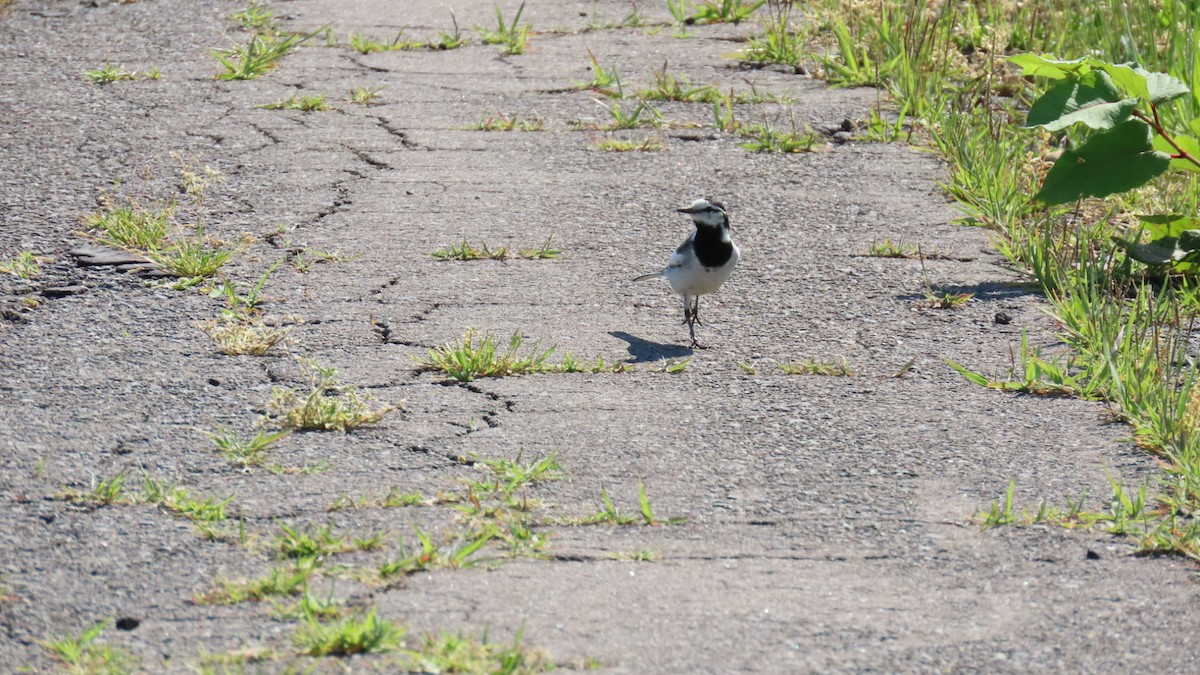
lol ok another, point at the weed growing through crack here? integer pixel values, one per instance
(670, 366)
(257, 17)
(502, 122)
(638, 555)
(309, 605)
(606, 81)
(302, 102)
(451, 40)
(108, 73)
(289, 580)
(610, 515)
(459, 653)
(365, 45)
(102, 492)
(303, 259)
(458, 553)
(25, 265)
(631, 115)
(816, 367)
(679, 15)
(361, 634)
(464, 250)
(132, 227)
(766, 138)
(891, 249)
(780, 42)
(260, 54)
(940, 299)
(196, 181)
(328, 406)
(245, 451)
(726, 11)
(240, 337)
(393, 499)
(366, 96)
(310, 542)
(244, 301)
(470, 358)
(191, 258)
(669, 87)
(648, 144)
(80, 654)
(510, 36)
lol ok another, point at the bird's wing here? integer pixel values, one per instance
(684, 254)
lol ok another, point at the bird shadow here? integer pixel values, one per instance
(645, 351)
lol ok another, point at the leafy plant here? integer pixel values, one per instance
(726, 11)
(1128, 144)
(815, 367)
(328, 406)
(363, 634)
(669, 87)
(779, 42)
(636, 114)
(108, 73)
(303, 102)
(131, 226)
(257, 17)
(245, 451)
(80, 655)
(502, 122)
(647, 144)
(452, 40)
(364, 45)
(365, 95)
(606, 81)
(25, 265)
(242, 337)
(766, 138)
(260, 54)
(468, 359)
(891, 249)
(510, 36)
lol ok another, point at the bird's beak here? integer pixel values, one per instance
(686, 210)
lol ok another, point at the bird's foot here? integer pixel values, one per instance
(696, 345)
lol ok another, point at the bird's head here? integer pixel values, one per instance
(707, 214)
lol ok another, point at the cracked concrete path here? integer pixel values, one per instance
(827, 518)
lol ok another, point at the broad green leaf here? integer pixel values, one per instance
(1163, 87)
(1091, 99)
(1131, 81)
(1112, 161)
(1167, 225)
(1189, 144)
(1041, 66)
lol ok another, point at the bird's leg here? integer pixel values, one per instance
(696, 311)
(692, 331)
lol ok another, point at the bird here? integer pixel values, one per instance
(702, 262)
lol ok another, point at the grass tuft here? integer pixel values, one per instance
(327, 406)
(815, 367)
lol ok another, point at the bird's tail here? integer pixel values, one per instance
(644, 277)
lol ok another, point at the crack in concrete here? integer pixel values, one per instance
(383, 123)
(366, 158)
(271, 136)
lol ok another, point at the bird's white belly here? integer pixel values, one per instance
(699, 280)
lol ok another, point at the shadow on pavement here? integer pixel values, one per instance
(644, 351)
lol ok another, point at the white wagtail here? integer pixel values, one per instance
(702, 262)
